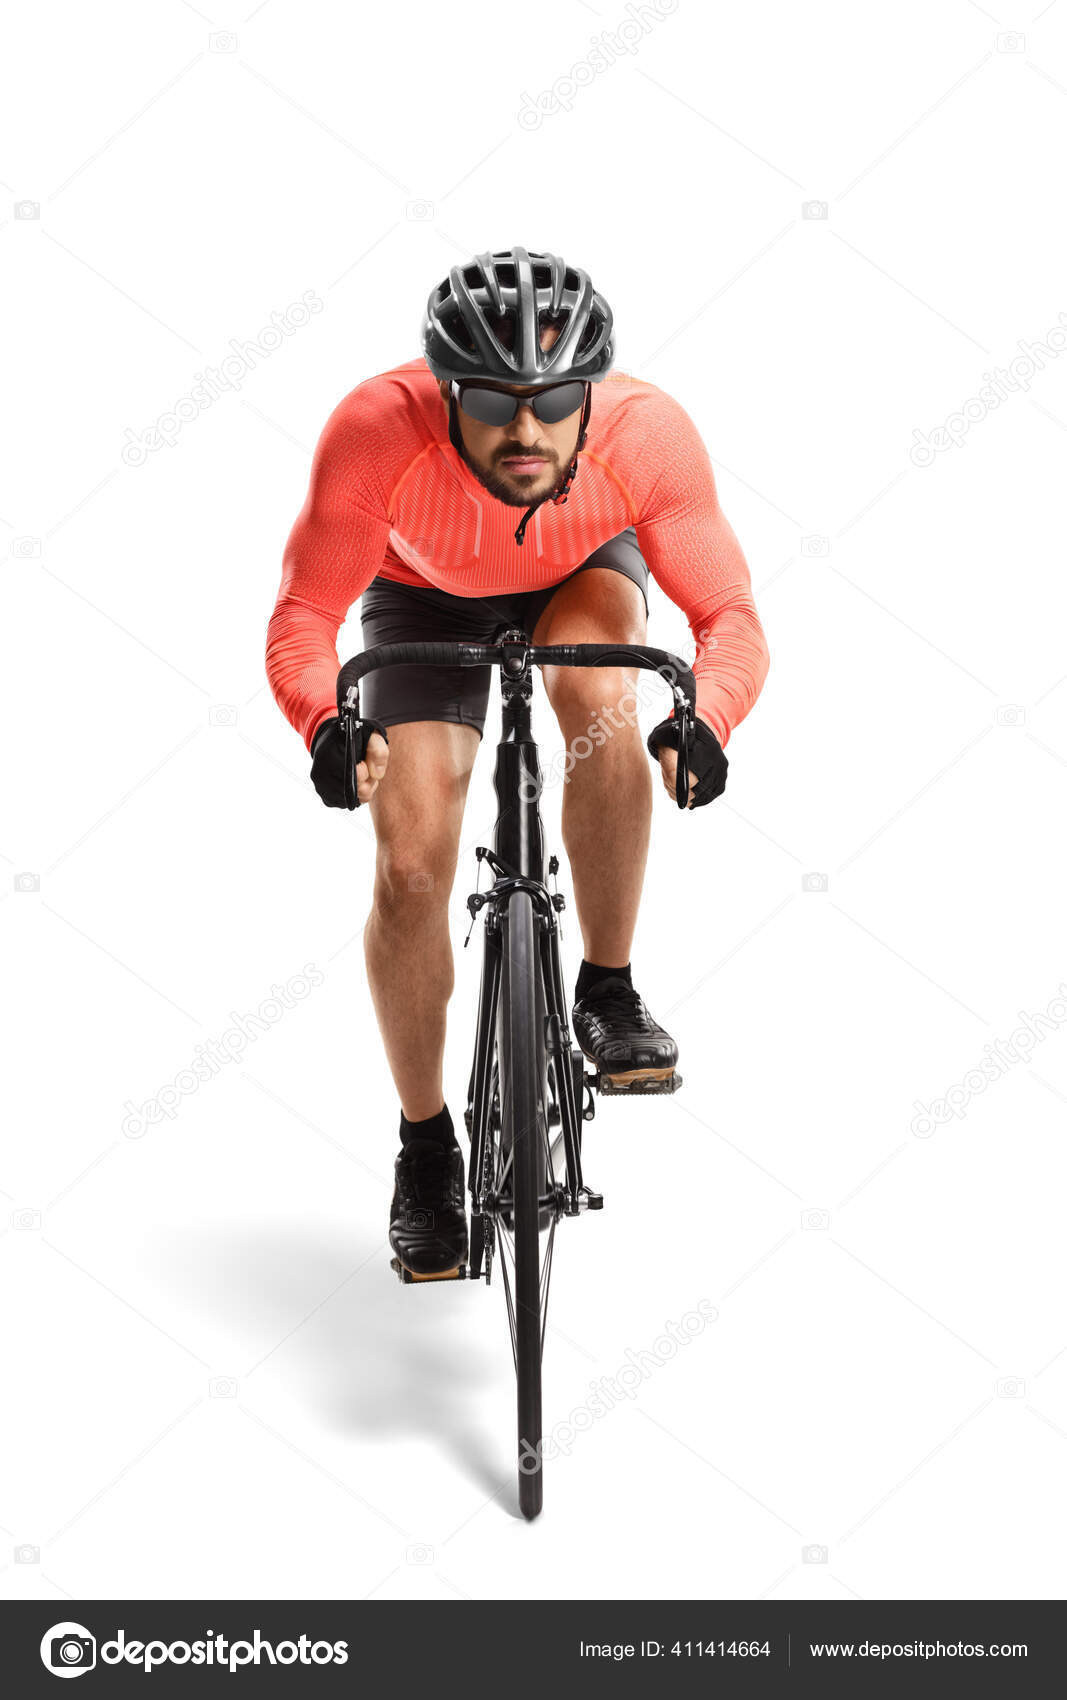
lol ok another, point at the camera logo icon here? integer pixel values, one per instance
(815, 209)
(814, 882)
(815, 1221)
(1010, 714)
(1011, 1387)
(419, 1554)
(68, 1649)
(222, 1387)
(1011, 42)
(222, 714)
(419, 211)
(815, 1554)
(27, 1554)
(27, 209)
(223, 41)
(26, 549)
(815, 545)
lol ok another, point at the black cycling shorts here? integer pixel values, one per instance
(407, 613)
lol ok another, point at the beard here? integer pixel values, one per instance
(518, 490)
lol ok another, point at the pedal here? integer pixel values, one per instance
(662, 1081)
(477, 1247)
(407, 1277)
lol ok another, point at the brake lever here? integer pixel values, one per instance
(683, 715)
(349, 719)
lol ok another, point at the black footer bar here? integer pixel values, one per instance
(615, 1647)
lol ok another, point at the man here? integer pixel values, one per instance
(410, 506)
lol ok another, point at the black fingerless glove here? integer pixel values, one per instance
(707, 763)
(328, 759)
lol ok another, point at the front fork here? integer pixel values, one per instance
(482, 1113)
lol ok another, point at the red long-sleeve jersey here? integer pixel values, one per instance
(390, 495)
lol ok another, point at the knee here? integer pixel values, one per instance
(414, 871)
(586, 699)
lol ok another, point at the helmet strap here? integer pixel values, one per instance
(455, 436)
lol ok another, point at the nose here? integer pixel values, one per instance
(525, 427)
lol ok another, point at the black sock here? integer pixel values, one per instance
(438, 1127)
(590, 972)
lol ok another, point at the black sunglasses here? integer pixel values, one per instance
(499, 407)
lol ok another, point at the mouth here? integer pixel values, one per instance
(524, 465)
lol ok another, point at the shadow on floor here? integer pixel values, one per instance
(369, 1357)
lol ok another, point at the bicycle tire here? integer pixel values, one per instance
(522, 1057)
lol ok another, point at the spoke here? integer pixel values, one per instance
(507, 1240)
(511, 1313)
(546, 1275)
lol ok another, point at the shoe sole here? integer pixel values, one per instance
(457, 1274)
(631, 1074)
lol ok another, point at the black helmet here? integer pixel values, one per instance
(485, 321)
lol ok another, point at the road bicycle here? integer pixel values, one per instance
(529, 1090)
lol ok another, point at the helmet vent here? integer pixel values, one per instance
(459, 331)
(588, 336)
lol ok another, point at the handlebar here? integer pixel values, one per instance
(514, 657)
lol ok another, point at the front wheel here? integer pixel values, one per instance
(523, 1130)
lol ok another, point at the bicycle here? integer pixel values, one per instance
(526, 1078)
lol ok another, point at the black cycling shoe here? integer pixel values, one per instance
(428, 1220)
(617, 1034)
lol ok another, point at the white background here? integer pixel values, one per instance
(885, 1378)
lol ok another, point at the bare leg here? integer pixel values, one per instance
(417, 812)
(607, 804)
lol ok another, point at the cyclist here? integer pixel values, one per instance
(413, 499)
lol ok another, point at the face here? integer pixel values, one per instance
(523, 461)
